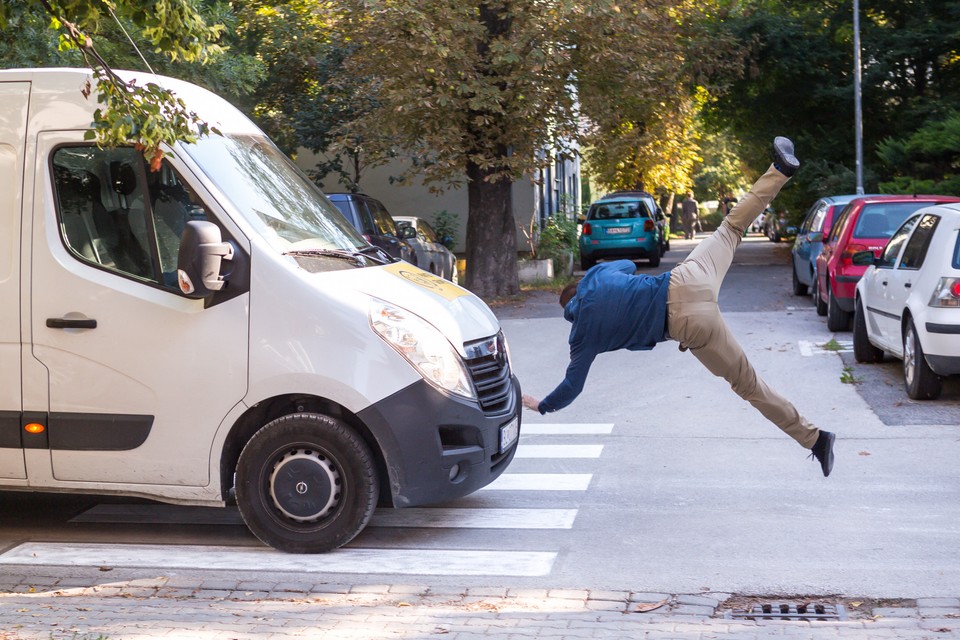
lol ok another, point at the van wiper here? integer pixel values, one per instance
(355, 256)
(381, 255)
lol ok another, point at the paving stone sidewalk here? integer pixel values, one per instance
(58, 609)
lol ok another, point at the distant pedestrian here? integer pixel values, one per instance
(611, 309)
(691, 214)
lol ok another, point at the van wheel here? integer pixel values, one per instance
(921, 382)
(306, 483)
(863, 349)
(837, 318)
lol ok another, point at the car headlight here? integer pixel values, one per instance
(423, 346)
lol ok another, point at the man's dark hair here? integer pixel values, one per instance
(568, 293)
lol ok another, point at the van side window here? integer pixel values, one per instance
(116, 214)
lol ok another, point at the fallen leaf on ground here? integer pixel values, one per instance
(644, 607)
(865, 453)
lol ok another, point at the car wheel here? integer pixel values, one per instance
(837, 318)
(921, 382)
(863, 349)
(586, 263)
(821, 306)
(666, 246)
(799, 289)
(655, 260)
(306, 483)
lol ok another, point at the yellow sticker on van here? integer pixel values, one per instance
(436, 284)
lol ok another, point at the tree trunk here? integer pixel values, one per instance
(491, 236)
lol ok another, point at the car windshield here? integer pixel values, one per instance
(881, 219)
(619, 209)
(265, 187)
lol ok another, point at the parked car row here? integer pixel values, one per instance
(891, 264)
(403, 237)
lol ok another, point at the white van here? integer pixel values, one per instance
(216, 327)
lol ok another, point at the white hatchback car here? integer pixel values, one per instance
(908, 300)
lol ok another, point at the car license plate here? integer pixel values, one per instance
(618, 230)
(509, 434)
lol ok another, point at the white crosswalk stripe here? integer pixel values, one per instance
(502, 507)
(436, 562)
(812, 348)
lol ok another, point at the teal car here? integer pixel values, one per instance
(620, 227)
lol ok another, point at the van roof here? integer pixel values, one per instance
(57, 101)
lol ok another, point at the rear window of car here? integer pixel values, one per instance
(620, 209)
(881, 219)
(956, 253)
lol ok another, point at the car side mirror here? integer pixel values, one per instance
(408, 232)
(863, 258)
(816, 236)
(202, 251)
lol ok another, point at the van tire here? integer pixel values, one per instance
(306, 483)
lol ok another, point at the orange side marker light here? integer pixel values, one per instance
(34, 427)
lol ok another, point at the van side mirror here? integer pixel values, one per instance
(202, 251)
(863, 258)
(408, 232)
(816, 236)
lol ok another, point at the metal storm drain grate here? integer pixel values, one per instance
(789, 611)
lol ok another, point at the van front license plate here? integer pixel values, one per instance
(509, 434)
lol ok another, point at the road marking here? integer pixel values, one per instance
(540, 482)
(483, 518)
(808, 348)
(476, 518)
(559, 451)
(435, 562)
(547, 429)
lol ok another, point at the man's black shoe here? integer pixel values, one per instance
(783, 159)
(823, 451)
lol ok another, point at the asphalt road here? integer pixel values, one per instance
(657, 479)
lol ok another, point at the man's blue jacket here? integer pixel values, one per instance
(613, 309)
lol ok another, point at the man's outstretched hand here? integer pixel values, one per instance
(531, 403)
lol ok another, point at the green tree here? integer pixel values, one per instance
(147, 115)
(797, 80)
(473, 90)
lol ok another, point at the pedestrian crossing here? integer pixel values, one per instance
(501, 506)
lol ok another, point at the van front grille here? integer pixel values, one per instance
(490, 371)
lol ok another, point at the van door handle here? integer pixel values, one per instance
(70, 323)
(907, 285)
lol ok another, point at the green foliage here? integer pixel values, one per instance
(847, 377)
(926, 160)
(796, 80)
(558, 239)
(447, 225)
(146, 116)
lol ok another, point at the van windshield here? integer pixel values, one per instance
(268, 190)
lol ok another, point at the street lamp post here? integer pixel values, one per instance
(857, 109)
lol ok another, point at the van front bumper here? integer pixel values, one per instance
(436, 447)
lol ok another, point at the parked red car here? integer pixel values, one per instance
(865, 224)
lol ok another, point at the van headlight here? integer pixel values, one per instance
(423, 346)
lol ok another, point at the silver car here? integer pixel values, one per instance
(432, 255)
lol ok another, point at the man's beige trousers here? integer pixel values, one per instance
(693, 317)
